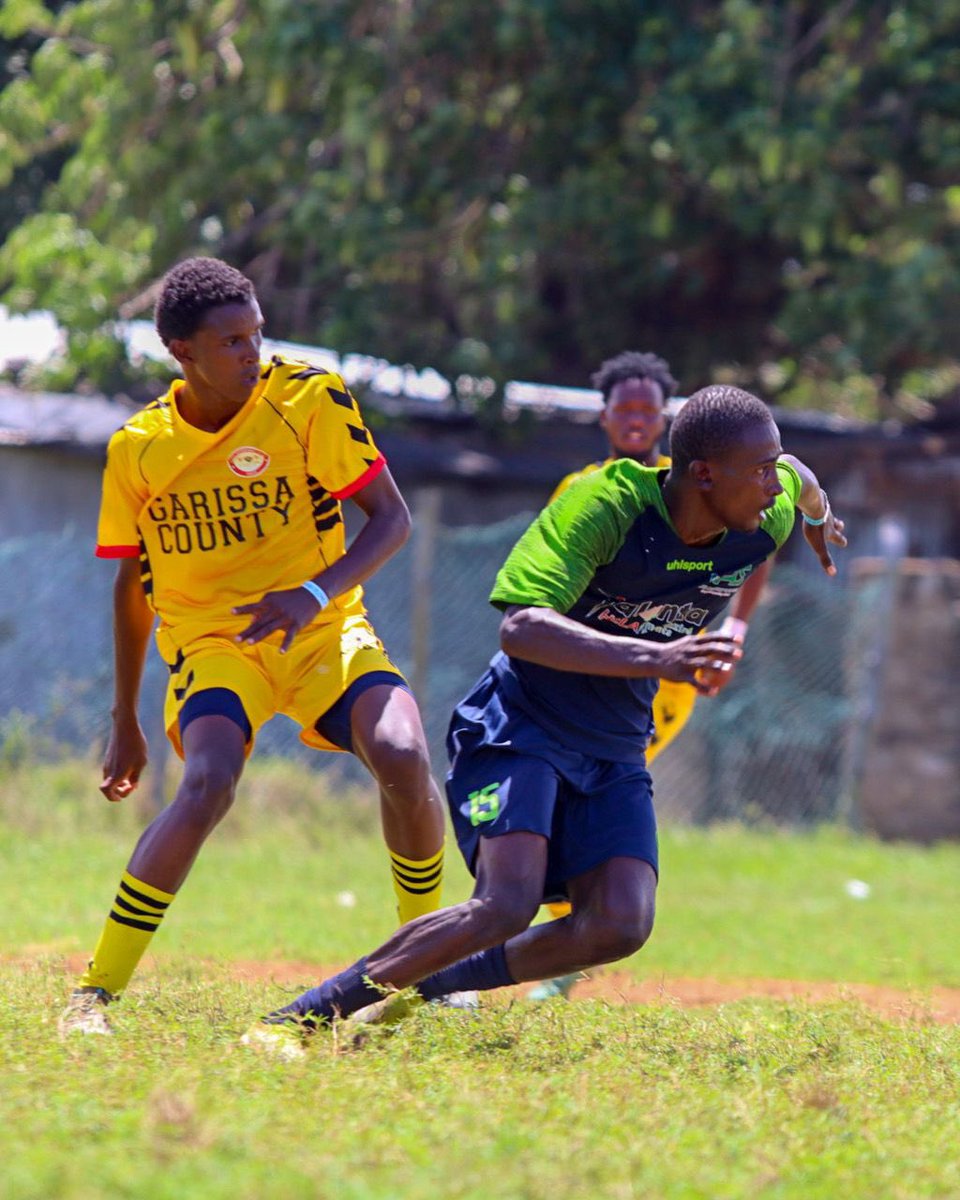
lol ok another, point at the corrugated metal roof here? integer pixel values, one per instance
(48, 419)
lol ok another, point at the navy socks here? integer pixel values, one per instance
(338, 996)
(343, 994)
(478, 973)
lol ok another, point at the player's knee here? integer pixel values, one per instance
(507, 915)
(400, 763)
(614, 935)
(207, 792)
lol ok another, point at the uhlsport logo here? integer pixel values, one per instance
(248, 461)
(687, 564)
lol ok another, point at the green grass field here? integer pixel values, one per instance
(583, 1099)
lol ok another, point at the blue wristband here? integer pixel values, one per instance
(317, 592)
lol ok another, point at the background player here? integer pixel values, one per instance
(636, 387)
(548, 789)
(222, 501)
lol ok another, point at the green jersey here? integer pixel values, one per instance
(606, 554)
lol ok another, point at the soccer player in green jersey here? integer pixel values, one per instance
(635, 387)
(604, 594)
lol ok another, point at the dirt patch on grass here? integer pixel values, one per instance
(940, 1005)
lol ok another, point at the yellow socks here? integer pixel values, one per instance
(417, 883)
(134, 918)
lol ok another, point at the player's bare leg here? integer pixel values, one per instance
(505, 900)
(611, 918)
(213, 761)
(615, 906)
(388, 738)
(213, 749)
(510, 874)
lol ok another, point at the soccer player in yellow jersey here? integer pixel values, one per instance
(635, 388)
(222, 504)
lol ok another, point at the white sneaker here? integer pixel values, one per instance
(464, 1001)
(86, 1012)
(275, 1041)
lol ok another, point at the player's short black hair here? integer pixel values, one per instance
(632, 364)
(190, 289)
(712, 421)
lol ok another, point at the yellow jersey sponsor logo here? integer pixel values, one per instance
(248, 461)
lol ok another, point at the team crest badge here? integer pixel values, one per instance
(248, 461)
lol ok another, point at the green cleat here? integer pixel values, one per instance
(551, 988)
(382, 1016)
(391, 1010)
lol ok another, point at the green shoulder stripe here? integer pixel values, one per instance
(552, 563)
(780, 516)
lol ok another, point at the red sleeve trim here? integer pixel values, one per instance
(117, 552)
(367, 477)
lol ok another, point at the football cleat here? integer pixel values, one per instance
(285, 1042)
(462, 1001)
(551, 988)
(86, 1012)
(381, 1016)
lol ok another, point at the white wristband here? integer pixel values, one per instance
(734, 627)
(317, 592)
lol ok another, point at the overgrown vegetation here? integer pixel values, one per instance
(764, 192)
(556, 1101)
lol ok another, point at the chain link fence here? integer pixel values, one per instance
(779, 743)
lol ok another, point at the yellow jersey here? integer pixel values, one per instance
(218, 519)
(662, 461)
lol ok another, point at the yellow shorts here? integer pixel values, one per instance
(323, 661)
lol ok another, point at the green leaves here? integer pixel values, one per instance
(735, 185)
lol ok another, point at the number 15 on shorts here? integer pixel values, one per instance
(484, 804)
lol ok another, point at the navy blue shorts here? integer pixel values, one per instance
(589, 809)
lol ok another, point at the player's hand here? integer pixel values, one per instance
(289, 611)
(715, 679)
(124, 760)
(684, 659)
(819, 535)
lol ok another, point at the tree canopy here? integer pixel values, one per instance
(764, 192)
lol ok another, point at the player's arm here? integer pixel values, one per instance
(821, 525)
(548, 638)
(386, 529)
(736, 624)
(748, 597)
(126, 754)
(549, 569)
